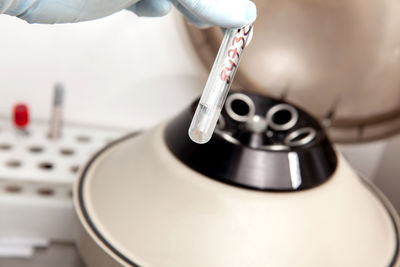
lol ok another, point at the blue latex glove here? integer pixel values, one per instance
(203, 13)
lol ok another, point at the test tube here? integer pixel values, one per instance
(56, 113)
(218, 83)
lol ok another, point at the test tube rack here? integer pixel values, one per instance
(37, 175)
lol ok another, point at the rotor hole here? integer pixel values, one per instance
(282, 117)
(240, 107)
(301, 137)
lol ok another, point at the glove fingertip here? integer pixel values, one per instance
(193, 19)
(223, 13)
(251, 12)
(151, 8)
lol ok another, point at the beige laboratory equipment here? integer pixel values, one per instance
(269, 189)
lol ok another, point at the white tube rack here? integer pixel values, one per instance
(37, 175)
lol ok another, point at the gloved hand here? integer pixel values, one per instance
(203, 13)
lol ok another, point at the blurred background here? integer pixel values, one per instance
(130, 73)
(120, 71)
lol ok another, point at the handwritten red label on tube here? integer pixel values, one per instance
(234, 52)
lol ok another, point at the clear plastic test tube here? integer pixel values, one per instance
(218, 83)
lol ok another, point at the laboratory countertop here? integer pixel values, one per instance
(57, 254)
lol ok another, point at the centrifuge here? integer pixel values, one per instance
(268, 189)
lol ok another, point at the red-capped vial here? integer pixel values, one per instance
(21, 116)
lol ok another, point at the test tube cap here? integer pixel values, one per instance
(21, 115)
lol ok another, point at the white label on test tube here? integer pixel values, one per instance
(218, 84)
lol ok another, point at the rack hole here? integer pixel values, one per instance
(36, 149)
(45, 192)
(74, 169)
(13, 188)
(5, 146)
(67, 151)
(13, 163)
(83, 138)
(46, 165)
(69, 193)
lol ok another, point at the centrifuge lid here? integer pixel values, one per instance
(339, 60)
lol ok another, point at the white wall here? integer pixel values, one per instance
(120, 71)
